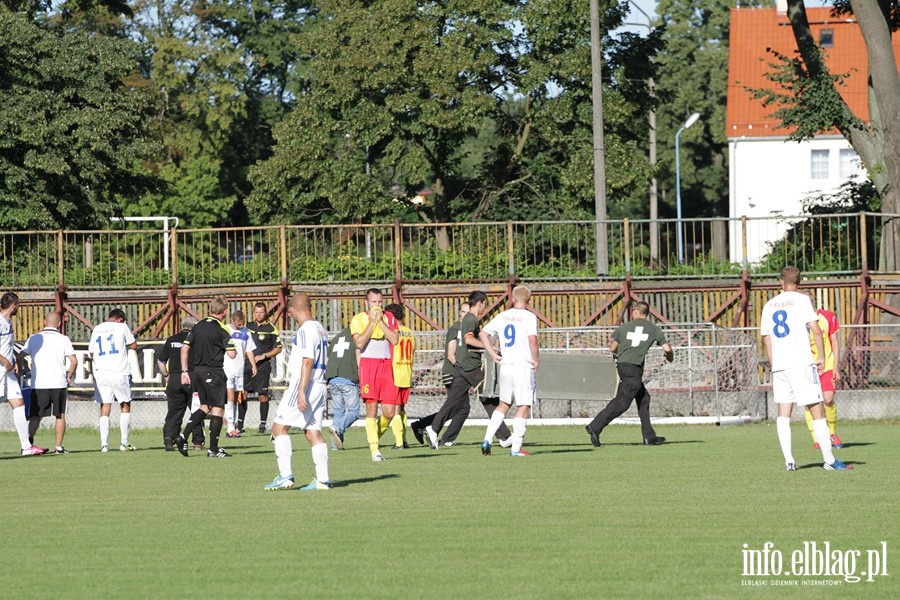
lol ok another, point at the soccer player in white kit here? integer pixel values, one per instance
(234, 367)
(10, 390)
(303, 403)
(517, 330)
(785, 324)
(108, 348)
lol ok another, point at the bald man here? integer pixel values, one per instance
(303, 403)
(53, 364)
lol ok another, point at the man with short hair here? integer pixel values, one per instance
(50, 377)
(10, 390)
(303, 403)
(374, 332)
(108, 349)
(517, 330)
(630, 344)
(267, 340)
(210, 343)
(178, 395)
(468, 372)
(785, 324)
(234, 369)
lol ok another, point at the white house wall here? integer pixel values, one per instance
(770, 177)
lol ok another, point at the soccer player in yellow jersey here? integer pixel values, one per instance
(374, 332)
(829, 325)
(402, 362)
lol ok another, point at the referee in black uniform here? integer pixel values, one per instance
(208, 343)
(268, 346)
(178, 396)
(630, 344)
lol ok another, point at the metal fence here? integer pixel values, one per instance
(551, 251)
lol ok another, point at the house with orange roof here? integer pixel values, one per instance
(770, 175)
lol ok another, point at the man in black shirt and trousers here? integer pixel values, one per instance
(207, 344)
(178, 396)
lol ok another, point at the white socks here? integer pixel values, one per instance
(124, 426)
(783, 427)
(229, 417)
(518, 434)
(493, 426)
(21, 426)
(820, 428)
(104, 431)
(283, 451)
(320, 460)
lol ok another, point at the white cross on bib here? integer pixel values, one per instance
(342, 345)
(637, 336)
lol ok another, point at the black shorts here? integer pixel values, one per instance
(47, 402)
(259, 383)
(211, 386)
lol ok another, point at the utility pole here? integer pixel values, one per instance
(602, 248)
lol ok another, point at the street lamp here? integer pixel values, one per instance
(654, 202)
(690, 121)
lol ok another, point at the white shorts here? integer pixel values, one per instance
(516, 385)
(799, 384)
(111, 387)
(311, 418)
(9, 387)
(235, 382)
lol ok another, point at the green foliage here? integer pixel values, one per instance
(805, 100)
(495, 119)
(831, 244)
(692, 74)
(74, 126)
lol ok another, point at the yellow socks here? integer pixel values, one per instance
(372, 434)
(831, 417)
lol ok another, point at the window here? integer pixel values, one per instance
(826, 38)
(849, 163)
(818, 164)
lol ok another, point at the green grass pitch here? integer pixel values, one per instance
(572, 521)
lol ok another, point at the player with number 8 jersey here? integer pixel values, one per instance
(785, 325)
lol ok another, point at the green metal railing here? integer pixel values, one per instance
(553, 251)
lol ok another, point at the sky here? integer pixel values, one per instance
(638, 20)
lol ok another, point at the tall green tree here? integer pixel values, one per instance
(692, 77)
(223, 74)
(484, 102)
(75, 126)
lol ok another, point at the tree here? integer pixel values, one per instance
(223, 74)
(692, 77)
(809, 99)
(493, 118)
(75, 126)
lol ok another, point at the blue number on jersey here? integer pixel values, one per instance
(509, 332)
(781, 328)
(112, 342)
(320, 353)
